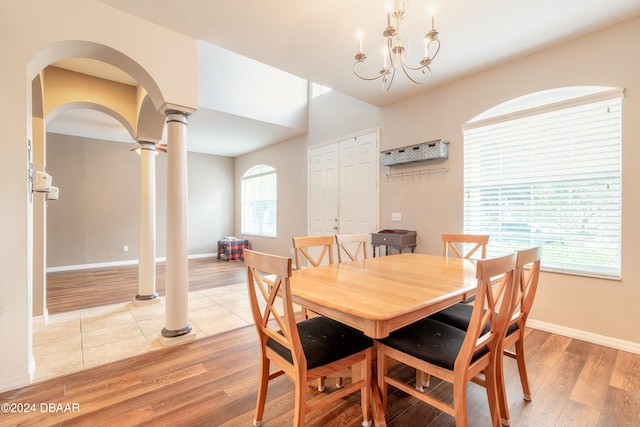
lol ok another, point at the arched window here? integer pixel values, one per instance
(259, 194)
(545, 169)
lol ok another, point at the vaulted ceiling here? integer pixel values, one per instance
(316, 41)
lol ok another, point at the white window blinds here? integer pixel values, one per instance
(259, 201)
(549, 176)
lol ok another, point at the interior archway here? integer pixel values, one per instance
(134, 107)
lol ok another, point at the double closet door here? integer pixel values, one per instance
(343, 185)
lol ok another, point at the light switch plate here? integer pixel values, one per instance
(396, 216)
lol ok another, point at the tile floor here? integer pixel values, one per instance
(76, 340)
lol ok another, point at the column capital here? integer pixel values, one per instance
(147, 145)
(176, 116)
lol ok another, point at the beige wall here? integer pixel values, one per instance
(432, 205)
(211, 201)
(98, 210)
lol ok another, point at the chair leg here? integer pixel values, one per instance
(503, 404)
(422, 380)
(321, 386)
(365, 392)
(492, 394)
(460, 403)
(263, 384)
(522, 369)
(382, 367)
(300, 400)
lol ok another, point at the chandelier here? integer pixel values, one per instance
(393, 53)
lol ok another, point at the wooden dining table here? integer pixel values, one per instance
(380, 295)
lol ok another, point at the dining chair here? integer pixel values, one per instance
(454, 242)
(352, 247)
(306, 350)
(315, 250)
(459, 315)
(454, 355)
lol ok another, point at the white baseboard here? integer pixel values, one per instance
(115, 263)
(15, 382)
(589, 337)
(96, 265)
(203, 255)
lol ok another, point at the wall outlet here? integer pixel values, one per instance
(396, 217)
(125, 248)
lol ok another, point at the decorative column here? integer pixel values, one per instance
(177, 328)
(147, 229)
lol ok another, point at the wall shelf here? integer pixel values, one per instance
(431, 150)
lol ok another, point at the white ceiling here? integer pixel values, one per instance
(316, 40)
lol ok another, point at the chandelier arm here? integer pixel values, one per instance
(364, 77)
(422, 68)
(386, 79)
(406, 66)
(437, 42)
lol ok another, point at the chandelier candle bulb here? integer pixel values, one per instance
(360, 41)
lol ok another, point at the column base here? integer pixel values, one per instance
(178, 339)
(146, 299)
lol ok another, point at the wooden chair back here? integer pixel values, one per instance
(273, 317)
(305, 249)
(493, 307)
(454, 242)
(527, 274)
(352, 247)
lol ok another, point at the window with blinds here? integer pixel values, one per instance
(259, 187)
(544, 169)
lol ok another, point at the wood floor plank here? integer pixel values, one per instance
(576, 414)
(626, 372)
(620, 408)
(593, 383)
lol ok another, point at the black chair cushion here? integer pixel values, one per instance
(324, 341)
(458, 315)
(432, 341)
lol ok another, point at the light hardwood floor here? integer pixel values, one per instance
(212, 382)
(72, 290)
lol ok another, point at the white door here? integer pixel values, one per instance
(358, 207)
(343, 186)
(323, 189)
